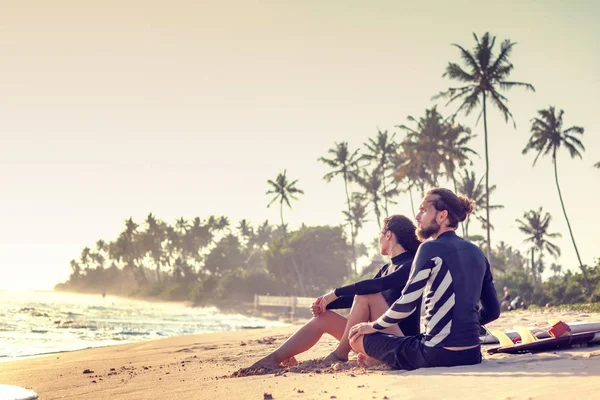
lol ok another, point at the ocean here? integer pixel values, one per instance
(41, 322)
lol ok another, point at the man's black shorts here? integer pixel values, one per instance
(408, 352)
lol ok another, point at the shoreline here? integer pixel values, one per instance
(201, 367)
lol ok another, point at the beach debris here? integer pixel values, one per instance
(266, 340)
(300, 391)
(88, 371)
(242, 344)
(267, 396)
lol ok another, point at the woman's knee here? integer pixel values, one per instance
(363, 298)
(322, 319)
(357, 345)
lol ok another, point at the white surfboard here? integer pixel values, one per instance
(9, 392)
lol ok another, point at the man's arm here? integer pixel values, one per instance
(421, 269)
(490, 307)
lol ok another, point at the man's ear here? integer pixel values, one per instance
(443, 215)
(388, 235)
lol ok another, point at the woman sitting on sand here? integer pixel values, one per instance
(369, 299)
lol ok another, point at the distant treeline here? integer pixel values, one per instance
(208, 262)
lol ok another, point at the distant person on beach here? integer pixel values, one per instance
(369, 299)
(454, 275)
(505, 300)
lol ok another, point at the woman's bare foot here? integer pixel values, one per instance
(267, 362)
(366, 361)
(290, 362)
(335, 358)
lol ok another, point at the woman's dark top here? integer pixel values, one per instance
(390, 280)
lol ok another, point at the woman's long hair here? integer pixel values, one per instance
(404, 230)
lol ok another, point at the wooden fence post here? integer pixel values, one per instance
(293, 308)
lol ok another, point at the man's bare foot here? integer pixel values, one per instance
(366, 361)
(290, 362)
(332, 357)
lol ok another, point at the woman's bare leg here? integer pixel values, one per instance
(305, 338)
(365, 308)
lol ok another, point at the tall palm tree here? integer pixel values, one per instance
(356, 216)
(471, 187)
(381, 152)
(535, 226)
(483, 78)
(547, 137)
(441, 143)
(282, 191)
(410, 168)
(345, 163)
(371, 183)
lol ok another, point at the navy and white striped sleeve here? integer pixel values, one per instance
(412, 293)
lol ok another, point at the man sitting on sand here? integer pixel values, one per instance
(368, 298)
(455, 275)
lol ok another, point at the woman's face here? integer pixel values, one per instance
(385, 242)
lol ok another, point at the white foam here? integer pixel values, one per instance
(9, 392)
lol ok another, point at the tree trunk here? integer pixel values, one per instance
(385, 200)
(585, 277)
(533, 274)
(412, 204)
(487, 185)
(352, 235)
(462, 225)
(294, 265)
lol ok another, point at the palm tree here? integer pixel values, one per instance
(535, 225)
(473, 189)
(547, 137)
(283, 191)
(356, 216)
(410, 167)
(597, 165)
(345, 164)
(484, 78)
(441, 143)
(371, 182)
(381, 152)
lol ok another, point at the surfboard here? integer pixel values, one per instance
(9, 392)
(540, 333)
(537, 345)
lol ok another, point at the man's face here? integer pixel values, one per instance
(427, 224)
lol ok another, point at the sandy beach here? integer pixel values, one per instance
(201, 367)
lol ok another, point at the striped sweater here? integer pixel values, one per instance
(453, 276)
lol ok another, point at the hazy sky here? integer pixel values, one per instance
(111, 109)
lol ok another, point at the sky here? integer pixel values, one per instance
(111, 109)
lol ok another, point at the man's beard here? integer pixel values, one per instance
(424, 233)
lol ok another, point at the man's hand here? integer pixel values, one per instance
(364, 328)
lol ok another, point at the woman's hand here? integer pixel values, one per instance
(364, 328)
(327, 298)
(315, 308)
